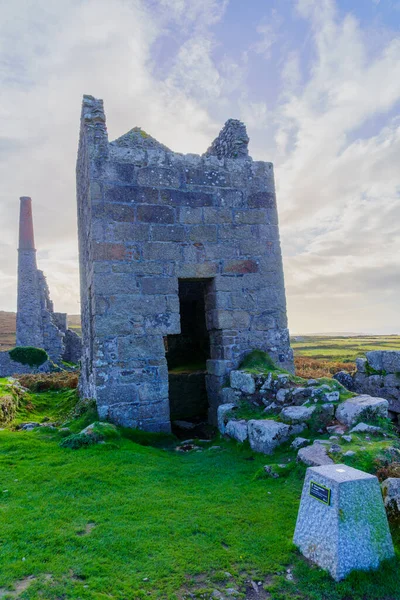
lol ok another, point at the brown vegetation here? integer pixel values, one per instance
(311, 368)
(8, 408)
(40, 382)
(388, 470)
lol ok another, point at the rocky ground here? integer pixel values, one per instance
(320, 420)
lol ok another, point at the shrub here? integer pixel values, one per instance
(319, 419)
(388, 470)
(41, 382)
(28, 355)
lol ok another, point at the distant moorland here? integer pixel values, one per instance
(7, 328)
(315, 355)
(323, 355)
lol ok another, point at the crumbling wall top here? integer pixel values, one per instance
(232, 141)
(93, 127)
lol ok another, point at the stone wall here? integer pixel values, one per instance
(232, 141)
(35, 324)
(9, 367)
(377, 375)
(53, 337)
(29, 310)
(72, 347)
(148, 217)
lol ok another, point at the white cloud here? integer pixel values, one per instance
(339, 198)
(332, 134)
(52, 54)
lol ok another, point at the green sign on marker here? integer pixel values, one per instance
(320, 492)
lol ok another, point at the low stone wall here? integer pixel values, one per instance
(268, 409)
(73, 347)
(377, 375)
(9, 367)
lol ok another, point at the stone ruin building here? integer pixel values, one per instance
(181, 270)
(37, 323)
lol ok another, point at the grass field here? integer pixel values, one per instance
(135, 519)
(343, 349)
(320, 356)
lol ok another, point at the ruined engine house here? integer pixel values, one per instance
(180, 260)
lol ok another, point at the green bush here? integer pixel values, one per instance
(28, 355)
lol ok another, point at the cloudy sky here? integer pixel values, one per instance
(317, 83)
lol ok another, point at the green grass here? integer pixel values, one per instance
(155, 514)
(158, 514)
(4, 386)
(258, 361)
(51, 405)
(135, 519)
(190, 367)
(247, 411)
(344, 349)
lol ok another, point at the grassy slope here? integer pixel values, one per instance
(178, 520)
(159, 515)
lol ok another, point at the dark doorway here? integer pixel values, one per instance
(187, 354)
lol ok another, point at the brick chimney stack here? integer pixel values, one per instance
(26, 238)
(29, 309)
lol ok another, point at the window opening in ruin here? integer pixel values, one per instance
(187, 354)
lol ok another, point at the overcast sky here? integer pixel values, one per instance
(317, 83)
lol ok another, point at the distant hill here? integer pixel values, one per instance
(8, 327)
(7, 330)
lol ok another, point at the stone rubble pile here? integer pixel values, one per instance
(294, 408)
(376, 375)
(391, 497)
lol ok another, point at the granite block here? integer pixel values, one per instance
(342, 524)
